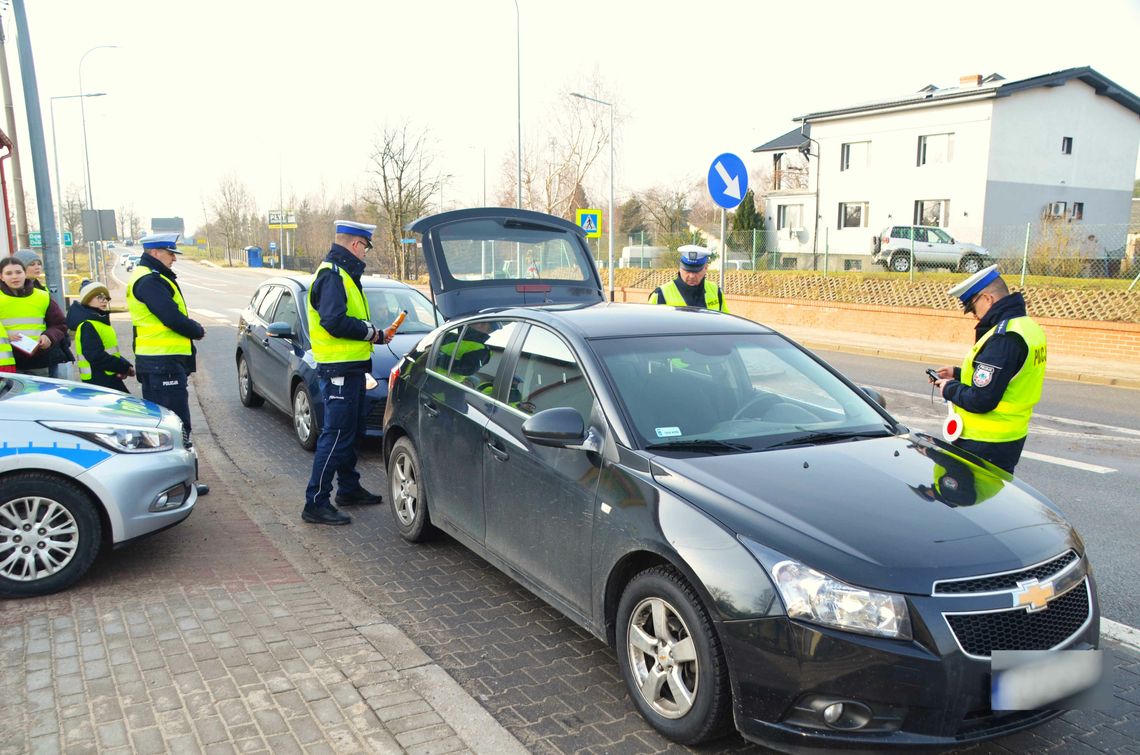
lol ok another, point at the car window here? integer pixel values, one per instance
(940, 235)
(384, 304)
(920, 234)
(490, 248)
(471, 355)
(268, 302)
(751, 389)
(258, 295)
(548, 376)
(287, 311)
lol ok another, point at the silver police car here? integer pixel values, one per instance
(82, 467)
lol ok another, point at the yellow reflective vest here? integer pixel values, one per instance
(7, 358)
(152, 337)
(713, 299)
(327, 348)
(1009, 420)
(24, 315)
(110, 342)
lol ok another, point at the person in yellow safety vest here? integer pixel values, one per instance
(7, 359)
(59, 355)
(1000, 380)
(29, 314)
(691, 287)
(342, 335)
(96, 345)
(957, 482)
(164, 334)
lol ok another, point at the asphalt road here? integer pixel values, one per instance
(553, 685)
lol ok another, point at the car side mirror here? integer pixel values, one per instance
(561, 427)
(874, 396)
(279, 330)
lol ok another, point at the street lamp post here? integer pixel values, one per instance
(86, 158)
(55, 155)
(518, 93)
(610, 217)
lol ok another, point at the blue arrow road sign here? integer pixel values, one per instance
(728, 180)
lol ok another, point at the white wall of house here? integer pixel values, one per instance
(891, 180)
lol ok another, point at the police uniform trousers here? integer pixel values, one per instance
(168, 389)
(345, 415)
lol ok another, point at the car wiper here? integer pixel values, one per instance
(722, 446)
(829, 436)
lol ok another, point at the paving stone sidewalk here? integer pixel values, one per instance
(213, 637)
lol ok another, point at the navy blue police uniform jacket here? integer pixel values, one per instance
(156, 294)
(331, 302)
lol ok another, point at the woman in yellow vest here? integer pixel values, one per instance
(29, 315)
(96, 345)
(1000, 380)
(691, 287)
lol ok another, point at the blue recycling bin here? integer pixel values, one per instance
(253, 256)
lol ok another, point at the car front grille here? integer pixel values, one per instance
(1007, 581)
(375, 419)
(979, 634)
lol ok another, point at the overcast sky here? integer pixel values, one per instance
(289, 96)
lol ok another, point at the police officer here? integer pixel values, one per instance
(691, 287)
(342, 335)
(164, 334)
(1000, 380)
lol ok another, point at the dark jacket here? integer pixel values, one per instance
(1005, 352)
(60, 351)
(694, 296)
(157, 294)
(56, 331)
(93, 349)
(331, 302)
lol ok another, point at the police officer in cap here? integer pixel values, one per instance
(691, 287)
(164, 333)
(342, 335)
(1000, 380)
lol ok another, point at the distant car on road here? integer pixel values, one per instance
(932, 247)
(275, 359)
(110, 244)
(82, 469)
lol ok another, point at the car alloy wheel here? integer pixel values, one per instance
(246, 392)
(900, 263)
(49, 534)
(671, 658)
(405, 491)
(304, 423)
(971, 265)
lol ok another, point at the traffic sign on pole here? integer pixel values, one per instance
(591, 222)
(728, 180)
(67, 239)
(36, 239)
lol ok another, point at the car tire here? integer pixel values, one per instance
(407, 494)
(900, 262)
(305, 425)
(65, 531)
(249, 397)
(970, 265)
(687, 699)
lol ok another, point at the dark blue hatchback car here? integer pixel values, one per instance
(275, 361)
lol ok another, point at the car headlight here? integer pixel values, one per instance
(123, 439)
(813, 596)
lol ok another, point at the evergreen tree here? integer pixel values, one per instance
(745, 217)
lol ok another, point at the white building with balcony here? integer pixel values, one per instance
(982, 159)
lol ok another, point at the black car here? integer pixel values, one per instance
(275, 361)
(760, 542)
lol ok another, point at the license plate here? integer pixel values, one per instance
(1047, 679)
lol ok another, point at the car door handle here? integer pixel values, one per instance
(430, 408)
(499, 453)
(265, 341)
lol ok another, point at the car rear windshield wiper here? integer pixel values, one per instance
(829, 436)
(714, 446)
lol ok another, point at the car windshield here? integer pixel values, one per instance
(940, 235)
(498, 249)
(755, 392)
(384, 304)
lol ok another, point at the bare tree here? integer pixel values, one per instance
(72, 215)
(667, 208)
(231, 206)
(403, 179)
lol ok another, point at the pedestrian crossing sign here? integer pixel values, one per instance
(590, 221)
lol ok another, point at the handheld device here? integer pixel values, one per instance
(391, 329)
(931, 374)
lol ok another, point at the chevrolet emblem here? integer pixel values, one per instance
(1033, 595)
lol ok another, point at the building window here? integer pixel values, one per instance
(852, 215)
(854, 155)
(1066, 145)
(934, 149)
(1078, 211)
(852, 265)
(932, 212)
(789, 263)
(789, 216)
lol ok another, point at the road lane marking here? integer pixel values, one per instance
(184, 283)
(916, 423)
(210, 313)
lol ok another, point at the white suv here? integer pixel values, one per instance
(932, 247)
